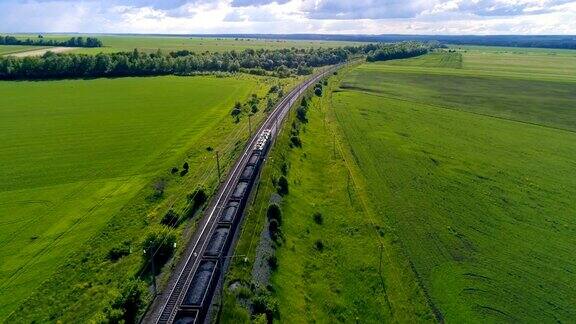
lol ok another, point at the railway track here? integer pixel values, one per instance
(189, 293)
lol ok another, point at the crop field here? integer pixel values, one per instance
(12, 49)
(76, 178)
(121, 43)
(473, 170)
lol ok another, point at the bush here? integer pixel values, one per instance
(159, 186)
(174, 170)
(295, 141)
(318, 218)
(274, 213)
(319, 245)
(263, 303)
(158, 246)
(274, 230)
(301, 114)
(117, 252)
(128, 305)
(186, 166)
(170, 219)
(284, 168)
(196, 200)
(282, 186)
(318, 92)
(273, 262)
(254, 109)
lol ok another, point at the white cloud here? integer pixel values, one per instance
(291, 16)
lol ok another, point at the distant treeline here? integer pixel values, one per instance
(281, 62)
(41, 41)
(543, 41)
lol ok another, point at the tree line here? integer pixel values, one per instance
(41, 41)
(280, 62)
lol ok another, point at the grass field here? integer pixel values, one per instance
(474, 172)
(464, 168)
(12, 49)
(76, 175)
(122, 43)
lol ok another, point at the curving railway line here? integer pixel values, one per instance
(188, 296)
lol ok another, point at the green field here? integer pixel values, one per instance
(78, 162)
(123, 43)
(475, 174)
(12, 49)
(463, 163)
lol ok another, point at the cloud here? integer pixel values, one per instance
(290, 16)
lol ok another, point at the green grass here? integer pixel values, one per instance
(119, 43)
(78, 160)
(475, 175)
(13, 49)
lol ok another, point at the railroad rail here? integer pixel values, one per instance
(189, 293)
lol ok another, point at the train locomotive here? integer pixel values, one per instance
(196, 303)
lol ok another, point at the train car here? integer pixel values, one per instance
(187, 316)
(197, 296)
(219, 242)
(228, 214)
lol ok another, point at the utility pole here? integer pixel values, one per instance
(218, 165)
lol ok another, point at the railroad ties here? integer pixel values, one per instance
(196, 303)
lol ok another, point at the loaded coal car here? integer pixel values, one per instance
(203, 282)
(228, 215)
(187, 316)
(218, 243)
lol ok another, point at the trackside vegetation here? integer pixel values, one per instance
(282, 62)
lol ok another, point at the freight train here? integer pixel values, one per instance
(196, 303)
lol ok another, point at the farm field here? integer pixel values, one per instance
(472, 168)
(12, 49)
(123, 43)
(72, 164)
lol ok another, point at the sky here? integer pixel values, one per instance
(291, 16)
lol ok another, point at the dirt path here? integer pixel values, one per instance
(40, 52)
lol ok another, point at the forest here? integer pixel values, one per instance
(281, 62)
(41, 41)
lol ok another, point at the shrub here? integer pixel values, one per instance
(274, 230)
(174, 170)
(295, 141)
(318, 92)
(301, 114)
(158, 246)
(274, 213)
(170, 219)
(117, 252)
(196, 200)
(159, 186)
(273, 262)
(254, 108)
(263, 303)
(282, 186)
(284, 168)
(128, 305)
(186, 166)
(318, 218)
(319, 245)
